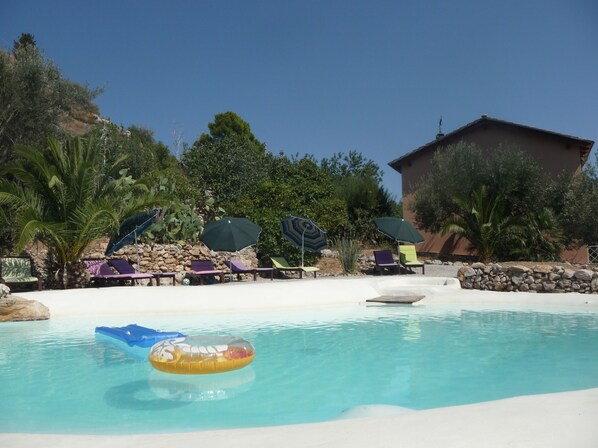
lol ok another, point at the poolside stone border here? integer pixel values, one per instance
(541, 278)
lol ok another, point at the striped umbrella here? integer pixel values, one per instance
(303, 233)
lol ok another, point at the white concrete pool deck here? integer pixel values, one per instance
(554, 420)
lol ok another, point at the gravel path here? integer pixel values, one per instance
(439, 270)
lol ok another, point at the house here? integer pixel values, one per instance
(554, 152)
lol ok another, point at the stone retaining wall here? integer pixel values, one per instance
(169, 257)
(541, 278)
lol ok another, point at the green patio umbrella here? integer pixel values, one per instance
(399, 230)
(230, 234)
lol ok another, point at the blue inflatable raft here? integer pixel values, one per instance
(137, 336)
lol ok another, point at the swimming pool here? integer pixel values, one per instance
(56, 377)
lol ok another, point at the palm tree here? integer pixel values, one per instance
(481, 219)
(61, 197)
(539, 236)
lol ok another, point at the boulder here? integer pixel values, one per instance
(13, 309)
(584, 275)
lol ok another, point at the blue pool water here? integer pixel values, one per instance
(57, 377)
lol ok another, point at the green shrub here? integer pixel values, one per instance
(348, 252)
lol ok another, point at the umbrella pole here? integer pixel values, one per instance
(136, 247)
(302, 246)
(399, 254)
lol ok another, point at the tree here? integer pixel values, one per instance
(134, 149)
(481, 219)
(353, 164)
(60, 197)
(357, 182)
(25, 40)
(507, 183)
(577, 205)
(34, 98)
(229, 124)
(538, 238)
(454, 172)
(230, 168)
(296, 186)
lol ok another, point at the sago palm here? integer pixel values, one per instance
(482, 220)
(61, 197)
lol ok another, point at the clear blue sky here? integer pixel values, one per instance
(321, 77)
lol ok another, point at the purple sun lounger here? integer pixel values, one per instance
(204, 268)
(99, 271)
(124, 267)
(385, 260)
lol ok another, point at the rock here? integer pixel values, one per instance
(4, 291)
(568, 273)
(517, 280)
(478, 265)
(565, 283)
(542, 269)
(496, 268)
(584, 275)
(467, 272)
(14, 309)
(518, 269)
(594, 284)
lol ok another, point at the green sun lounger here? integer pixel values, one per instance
(409, 258)
(281, 264)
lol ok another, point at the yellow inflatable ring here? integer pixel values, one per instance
(201, 354)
